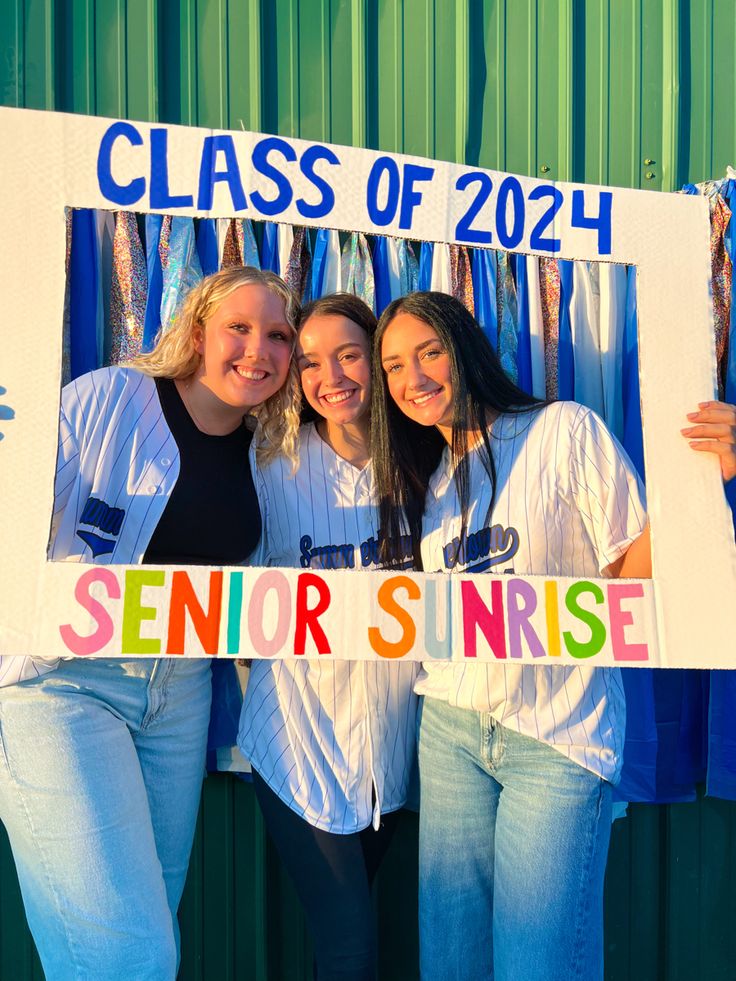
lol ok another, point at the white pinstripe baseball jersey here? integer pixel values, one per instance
(116, 466)
(568, 503)
(326, 737)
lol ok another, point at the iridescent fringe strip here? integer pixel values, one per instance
(461, 276)
(129, 289)
(549, 290)
(357, 269)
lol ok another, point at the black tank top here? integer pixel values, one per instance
(212, 516)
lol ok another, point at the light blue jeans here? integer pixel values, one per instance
(513, 839)
(101, 767)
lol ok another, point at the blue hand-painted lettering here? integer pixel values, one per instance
(160, 196)
(209, 175)
(262, 164)
(383, 215)
(123, 194)
(6, 413)
(327, 202)
(410, 198)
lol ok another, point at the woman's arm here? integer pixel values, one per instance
(636, 562)
(713, 431)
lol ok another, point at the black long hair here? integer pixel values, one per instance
(336, 305)
(406, 454)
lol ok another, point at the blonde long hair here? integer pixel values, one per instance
(175, 354)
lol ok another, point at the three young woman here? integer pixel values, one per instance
(331, 742)
(517, 762)
(102, 760)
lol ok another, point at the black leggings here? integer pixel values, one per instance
(333, 875)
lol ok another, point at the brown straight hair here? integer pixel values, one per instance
(406, 454)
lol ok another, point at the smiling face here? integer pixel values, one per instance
(334, 359)
(418, 372)
(245, 347)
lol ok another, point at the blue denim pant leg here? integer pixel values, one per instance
(512, 852)
(101, 766)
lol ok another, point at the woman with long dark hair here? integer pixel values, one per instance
(517, 762)
(332, 743)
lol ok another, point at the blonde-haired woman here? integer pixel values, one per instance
(102, 760)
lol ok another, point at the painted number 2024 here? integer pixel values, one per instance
(510, 216)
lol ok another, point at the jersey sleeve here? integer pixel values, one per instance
(82, 402)
(605, 488)
(67, 467)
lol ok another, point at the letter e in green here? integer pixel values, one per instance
(134, 614)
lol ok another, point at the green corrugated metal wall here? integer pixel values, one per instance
(670, 899)
(640, 93)
(591, 89)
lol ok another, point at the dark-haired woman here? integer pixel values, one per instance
(331, 743)
(516, 763)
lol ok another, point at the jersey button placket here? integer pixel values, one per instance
(376, 818)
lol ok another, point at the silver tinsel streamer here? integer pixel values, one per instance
(299, 268)
(408, 267)
(357, 269)
(182, 270)
(129, 290)
(508, 315)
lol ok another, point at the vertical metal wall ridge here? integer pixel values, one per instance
(501, 51)
(671, 117)
(359, 63)
(563, 169)
(462, 75)
(184, 82)
(426, 97)
(80, 61)
(701, 38)
(532, 94)
(141, 59)
(604, 96)
(289, 66)
(724, 78)
(308, 70)
(13, 47)
(631, 178)
(706, 105)
(49, 52)
(111, 62)
(255, 67)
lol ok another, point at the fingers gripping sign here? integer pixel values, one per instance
(713, 430)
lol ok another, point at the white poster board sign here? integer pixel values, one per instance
(52, 161)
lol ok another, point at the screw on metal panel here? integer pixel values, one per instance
(648, 162)
(544, 168)
(650, 175)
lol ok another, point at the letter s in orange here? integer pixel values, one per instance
(387, 602)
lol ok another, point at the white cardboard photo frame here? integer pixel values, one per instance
(50, 162)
